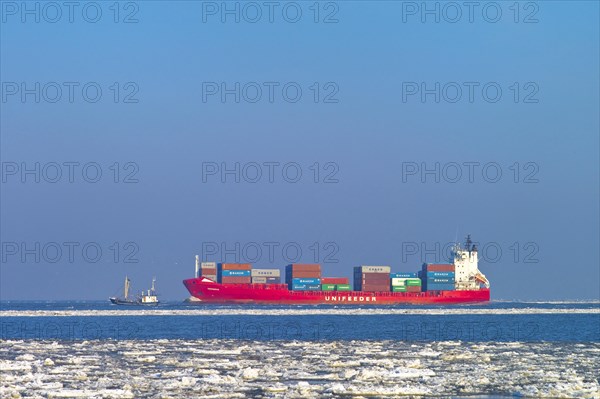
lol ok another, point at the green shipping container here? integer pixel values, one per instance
(343, 287)
(399, 288)
(414, 282)
(327, 287)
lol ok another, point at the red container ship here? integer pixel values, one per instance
(470, 286)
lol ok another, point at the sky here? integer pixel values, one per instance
(135, 136)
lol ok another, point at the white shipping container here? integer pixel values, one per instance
(266, 273)
(208, 265)
(402, 281)
(259, 280)
(376, 269)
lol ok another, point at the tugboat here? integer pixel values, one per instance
(145, 298)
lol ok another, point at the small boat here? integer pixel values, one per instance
(145, 298)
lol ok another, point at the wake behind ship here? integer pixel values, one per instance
(456, 282)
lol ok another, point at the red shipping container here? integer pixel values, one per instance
(374, 277)
(375, 288)
(235, 280)
(235, 266)
(433, 267)
(206, 270)
(372, 287)
(359, 284)
(316, 274)
(335, 280)
(413, 288)
(304, 267)
(375, 283)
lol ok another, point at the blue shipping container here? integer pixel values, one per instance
(439, 280)
(235, 273)
(306, 287)
(403, 275)
(439, 287)
(312, 281)
(440, 274)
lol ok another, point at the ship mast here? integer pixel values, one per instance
(126, 287)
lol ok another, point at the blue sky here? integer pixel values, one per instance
(363, 129)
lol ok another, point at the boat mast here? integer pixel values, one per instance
(126, 287)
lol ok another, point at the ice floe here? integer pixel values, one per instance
(296, 369)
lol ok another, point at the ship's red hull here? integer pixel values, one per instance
(207, 291)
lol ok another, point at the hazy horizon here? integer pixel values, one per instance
(129, 147)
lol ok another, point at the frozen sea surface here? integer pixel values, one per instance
(95, 350)
(296, 369)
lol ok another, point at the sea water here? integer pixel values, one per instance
(500, 349)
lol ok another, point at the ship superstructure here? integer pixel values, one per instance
(467, 273)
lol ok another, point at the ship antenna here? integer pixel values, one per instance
(469, 242)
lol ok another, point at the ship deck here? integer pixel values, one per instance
(207, 291)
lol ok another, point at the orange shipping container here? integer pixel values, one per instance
(235, 266)
(316, 274)
(444, 267)
(335, 280)
(304, 267)
(235, 280)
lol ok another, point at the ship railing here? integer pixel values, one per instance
(260, 286)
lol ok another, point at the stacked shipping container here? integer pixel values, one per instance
(335, 284)
(209, 270)
(234, 273)
(266, 276)
(372, 278)
(307, 277)
(405, 284)
(438, 277)
(303, 277)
